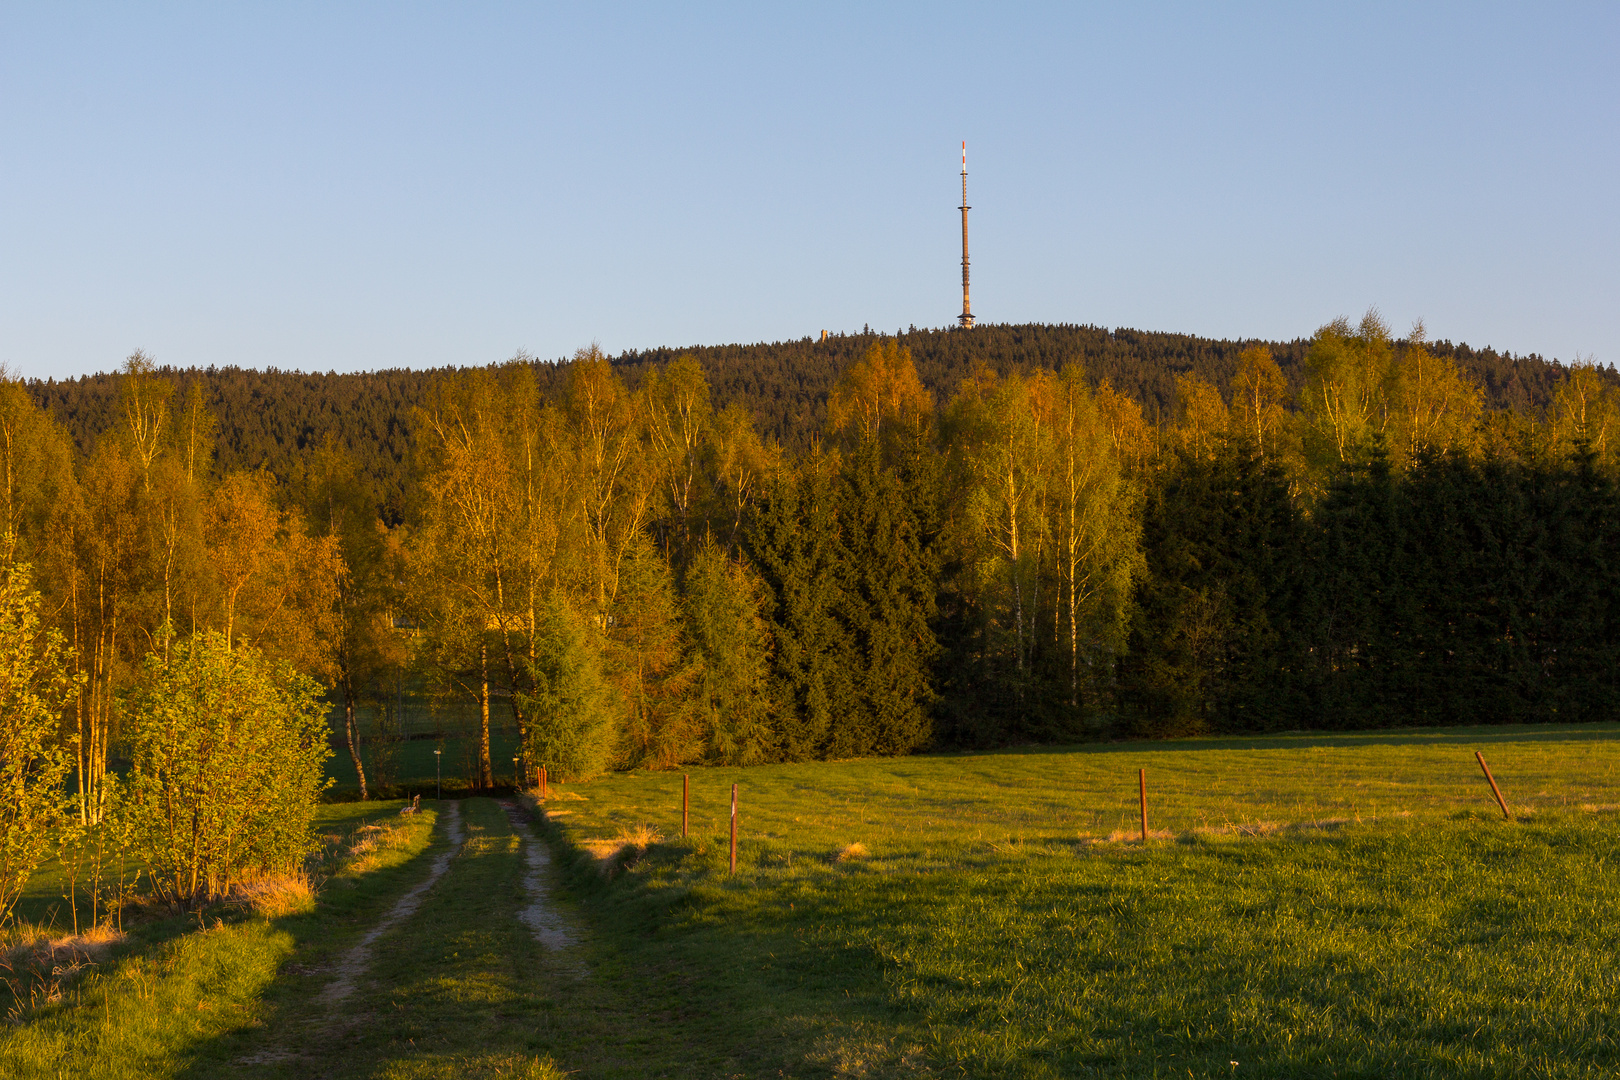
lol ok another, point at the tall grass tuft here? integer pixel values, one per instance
(624, 849)
(37, 968)
(275, 895)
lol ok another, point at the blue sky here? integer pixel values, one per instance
(342, 186)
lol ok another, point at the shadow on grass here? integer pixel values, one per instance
(347, 908)
(180, 995)
(1362, 951)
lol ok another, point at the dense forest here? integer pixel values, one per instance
(870, 544)
(275, 419)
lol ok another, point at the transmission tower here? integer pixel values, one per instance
(966, 318)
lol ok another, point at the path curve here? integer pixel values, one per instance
(357, 959)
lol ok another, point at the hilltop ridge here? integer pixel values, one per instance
(272, 418)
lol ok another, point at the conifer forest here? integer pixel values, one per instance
(864, 545)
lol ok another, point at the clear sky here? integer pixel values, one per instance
(340, 186)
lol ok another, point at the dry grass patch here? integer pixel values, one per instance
(861, 1051)
(622, 850)
(1129, 836)
(369, 843)
(275, 895)
(39, 967)
(852, 853)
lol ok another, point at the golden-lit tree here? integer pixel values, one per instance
(675, 402)
(1586, 409)
(996, 436)
(1090, 508)
(879, 389)
(368, 653)
(1260, 400)
(1435, 407)
(1349, 377)
(604, 446)
(1204, 417)
(1133, 439)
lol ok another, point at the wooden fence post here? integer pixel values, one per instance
(1141, 781)
(686, 794)
(1492, 781)
(733, 828)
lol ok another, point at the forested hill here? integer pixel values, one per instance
(271, 418)
(786, 383)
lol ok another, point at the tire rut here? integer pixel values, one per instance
(358, 959)
(545, 921)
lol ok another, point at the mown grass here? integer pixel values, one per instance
(903, 807)
(988, 933)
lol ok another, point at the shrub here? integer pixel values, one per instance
(34, 688)
(227, 750)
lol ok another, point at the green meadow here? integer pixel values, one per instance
(1307, 906)
(1310, 906)
(1068, 797)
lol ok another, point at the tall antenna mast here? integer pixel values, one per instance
(966, 318)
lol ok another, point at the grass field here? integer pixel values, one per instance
(903, 808)
(1314, 907)
(1320, 906)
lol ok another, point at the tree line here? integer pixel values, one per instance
(626, 573)
(276, 419)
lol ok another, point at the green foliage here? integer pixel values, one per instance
(1212, 632)
(650, 664)
(1077, 545)
(888, 583)
(792, 541)
(576, 712)
(34, 688)
(174, 998)
(1466, 591)
(274, 419)
(1296, 940)
(1350, 376)
(227, 753)
(731, 640)
(841, 547)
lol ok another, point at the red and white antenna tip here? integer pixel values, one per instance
(964, 157)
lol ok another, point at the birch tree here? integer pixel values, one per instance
(1349, 377)
(1096, 532)
(1436, 408)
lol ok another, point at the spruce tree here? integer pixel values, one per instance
(731, 645)
(888, 604)
(1210, 646)
(792, 540)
